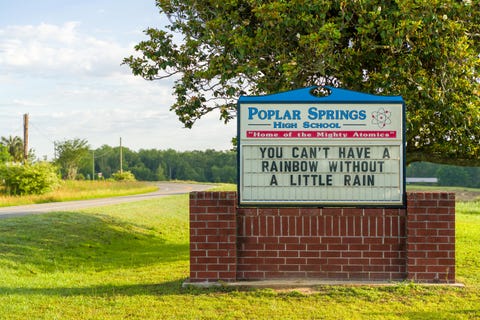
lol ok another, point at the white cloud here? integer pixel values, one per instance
(53, 50)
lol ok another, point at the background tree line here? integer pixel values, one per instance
(447, 175)
(159, 165)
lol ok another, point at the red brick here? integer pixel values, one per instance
(272, 260)
(247, 211)
(426, 261)
(417, 225)
(424, 246)
(289, 239)
(226, 217)
(435, 269)
(309, 240)
(270, 267)
(328, 220)
(317, 261)
(267, 253)
(251, 275)
(352, 240)
(351, 254)
(198, 267)
(349, 225)
(450, 262)
(309, 254)
(288, 253)
(270, 226)
(296, 247)
(195, 239)
(206, 246)
(305, 212)
(274, 246)
(417, 268)
(207, 275)
(288, 267)
(206, 260)
(316, 247)
(253, 261)
(353, 268)
(269, 240)
(228, 276)
(267, 211)
(437, 254)
(425, 232)
(296, 261)
(358, 247)
(314, 225)
(217, 267)
(373, 254)
(217, 253)
(328, 240)
(206, 217)
(438, 211)
(331, 254)
(351, 211)
(195, 211)
(310, 267)
(329, 267)
(373, 240)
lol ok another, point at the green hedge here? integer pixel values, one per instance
(36, 178)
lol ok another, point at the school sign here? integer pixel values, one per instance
(347, 148)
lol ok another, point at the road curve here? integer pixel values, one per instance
(164, 189)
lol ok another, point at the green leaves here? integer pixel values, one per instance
(426, 51)
(37, 178)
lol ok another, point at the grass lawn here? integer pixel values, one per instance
(81, 190)
(128, 262)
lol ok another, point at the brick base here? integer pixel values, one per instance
(374, 244)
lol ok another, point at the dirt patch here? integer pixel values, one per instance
(464, 195)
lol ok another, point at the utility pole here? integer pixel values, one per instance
(121, 156)
(25, 138)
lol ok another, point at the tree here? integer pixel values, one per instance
(453, 176)
(4, 154)
(426, 51)
(14, 146)
(69, 156)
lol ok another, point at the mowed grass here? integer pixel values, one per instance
(129, 261)
(81, 190)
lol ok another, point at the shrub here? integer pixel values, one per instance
(36, 178)
(123, 176)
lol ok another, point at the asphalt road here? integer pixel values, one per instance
(164, 189)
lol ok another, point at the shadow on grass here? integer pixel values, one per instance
(161, 289)
(69, 241)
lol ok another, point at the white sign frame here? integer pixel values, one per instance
(345, 149)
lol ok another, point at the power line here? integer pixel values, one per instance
(32, 124)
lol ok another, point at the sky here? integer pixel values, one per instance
(60, 62)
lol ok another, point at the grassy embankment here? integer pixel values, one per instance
(128, 262)
(81, 190)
